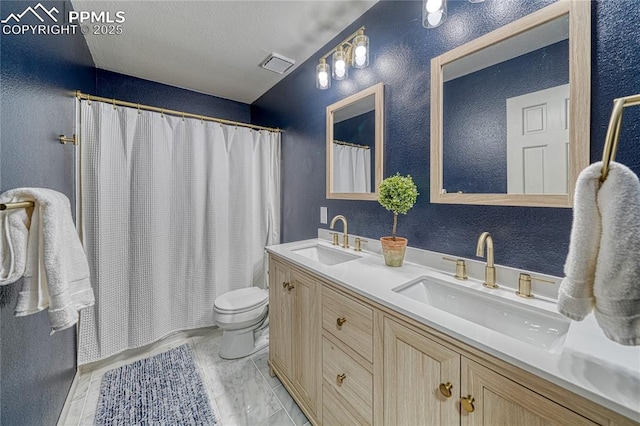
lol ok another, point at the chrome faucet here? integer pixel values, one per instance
(345, 235)
(489, 270)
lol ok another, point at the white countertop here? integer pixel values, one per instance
(588, 364)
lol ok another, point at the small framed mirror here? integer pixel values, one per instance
(510, 112)
(355, 128)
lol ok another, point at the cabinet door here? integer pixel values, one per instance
(499, 401)
(280, 330)
(414, 368)
(306, 345)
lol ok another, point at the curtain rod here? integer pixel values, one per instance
(182, 114)
(355, 145)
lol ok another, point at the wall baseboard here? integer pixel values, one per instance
(69, 400)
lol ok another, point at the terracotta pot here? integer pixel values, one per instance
(393, 251)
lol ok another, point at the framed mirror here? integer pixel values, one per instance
(510, 112)
(355, 128)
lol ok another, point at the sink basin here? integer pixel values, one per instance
(326, 256)
(537, 327)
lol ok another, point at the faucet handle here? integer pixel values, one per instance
(524, 285)
(335, 238)
(461, 268)
(358, 244)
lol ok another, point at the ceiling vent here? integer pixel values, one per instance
(277, 63)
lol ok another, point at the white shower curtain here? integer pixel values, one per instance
(351, 169)
(174, 213)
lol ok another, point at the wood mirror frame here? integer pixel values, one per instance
(579, 13)
(377, 91)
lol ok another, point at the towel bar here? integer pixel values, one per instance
(613, 132)
(18, 205)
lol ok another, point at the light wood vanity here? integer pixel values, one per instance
(348, 360)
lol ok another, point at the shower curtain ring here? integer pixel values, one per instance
(88, 99)
(139, 109)
(114, 103)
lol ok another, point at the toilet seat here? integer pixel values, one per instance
(242, 300)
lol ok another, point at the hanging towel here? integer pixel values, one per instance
(56, 272)
(602, 271)
(14, 227)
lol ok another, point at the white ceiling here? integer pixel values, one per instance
(215, 47)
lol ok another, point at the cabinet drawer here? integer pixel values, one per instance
(335, 411)
(351, 381)
(348, 320)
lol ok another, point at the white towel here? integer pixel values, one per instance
(56, 271)
(602, 271)
(14, 226)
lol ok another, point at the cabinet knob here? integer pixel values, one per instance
(445, 389)
(285, 284)
(340, 321)
(341, 378)
(467, 404)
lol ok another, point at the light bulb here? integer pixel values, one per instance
(323, 80)
(340, 71)
(361, 60)
(434, 18)
(361, 51)
(340, 64)
(434, 5)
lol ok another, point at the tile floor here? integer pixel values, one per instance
(241, 391)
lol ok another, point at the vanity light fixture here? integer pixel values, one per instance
(476, 1)
(351, 52)
(434, 13)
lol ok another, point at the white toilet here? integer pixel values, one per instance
(243, 315)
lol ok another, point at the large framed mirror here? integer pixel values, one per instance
(510, 112)
(355, 129)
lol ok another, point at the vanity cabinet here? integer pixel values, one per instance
(415, 367)
(347, 357)
(426, 382)
(295, 329)
(501, 401)
(347, 360)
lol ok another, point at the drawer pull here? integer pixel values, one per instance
(340, 321)
(467, 404)
(290, 287)
(445, 389)
(341, 378)
(285, 284)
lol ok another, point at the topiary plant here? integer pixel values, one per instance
(397, 194)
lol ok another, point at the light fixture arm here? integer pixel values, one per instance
(347, 42)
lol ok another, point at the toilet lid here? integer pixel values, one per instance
(242, 300)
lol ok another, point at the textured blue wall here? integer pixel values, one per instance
(475, 149)
(38, 74)
(133, 89)
(530, 238)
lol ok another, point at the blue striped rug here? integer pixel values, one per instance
(165, 389)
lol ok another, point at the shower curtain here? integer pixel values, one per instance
(174, 212)
(351, 169)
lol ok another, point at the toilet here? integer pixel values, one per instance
(243, 315)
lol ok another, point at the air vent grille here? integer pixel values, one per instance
(277, 63)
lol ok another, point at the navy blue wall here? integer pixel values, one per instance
(531, 238)
(474, 149)
(133, 89)
(39, 74)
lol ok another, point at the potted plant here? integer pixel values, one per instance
(397, 194)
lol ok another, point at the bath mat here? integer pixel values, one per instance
(165, 389)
